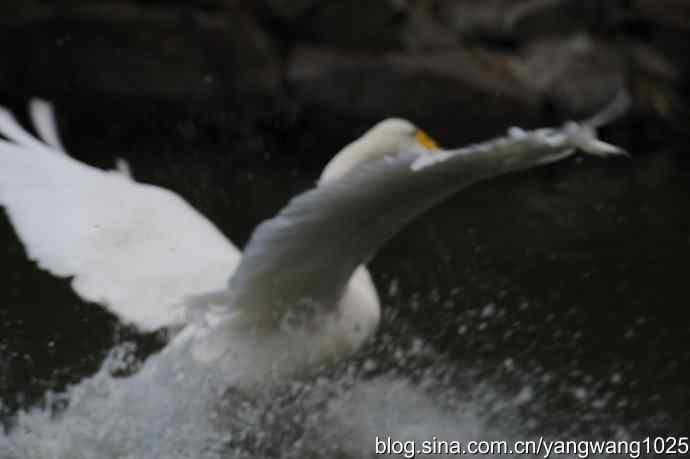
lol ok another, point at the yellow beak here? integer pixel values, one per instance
(426, 141)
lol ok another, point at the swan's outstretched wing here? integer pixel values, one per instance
(302, 258)
(135, 248)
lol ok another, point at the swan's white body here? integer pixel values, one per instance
(250, 351)
(300, 296)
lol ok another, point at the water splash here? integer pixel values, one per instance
(174, 408)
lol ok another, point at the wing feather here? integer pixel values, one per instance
(305, 255)
(43, 117)
(135, 248)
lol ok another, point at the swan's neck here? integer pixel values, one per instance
(359, 151)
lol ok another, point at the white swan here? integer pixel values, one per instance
(300, 295)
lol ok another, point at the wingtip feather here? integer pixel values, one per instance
(44, 119)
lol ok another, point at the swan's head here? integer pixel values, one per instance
(388, 137)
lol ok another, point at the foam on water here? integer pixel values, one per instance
(188, 416)
(174, 408)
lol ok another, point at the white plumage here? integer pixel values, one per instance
(137, 249)
(300, 296)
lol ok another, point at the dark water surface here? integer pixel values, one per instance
(570, 279)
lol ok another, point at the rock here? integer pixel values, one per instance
(574, 77)
(289, 10)
(444, 89)
(135, 51)
(500, 19)
(445, 60)
(353, 24)
(675, 13)
(425, 32)
(577, 75)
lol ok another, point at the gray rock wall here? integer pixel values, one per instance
(443, 62)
